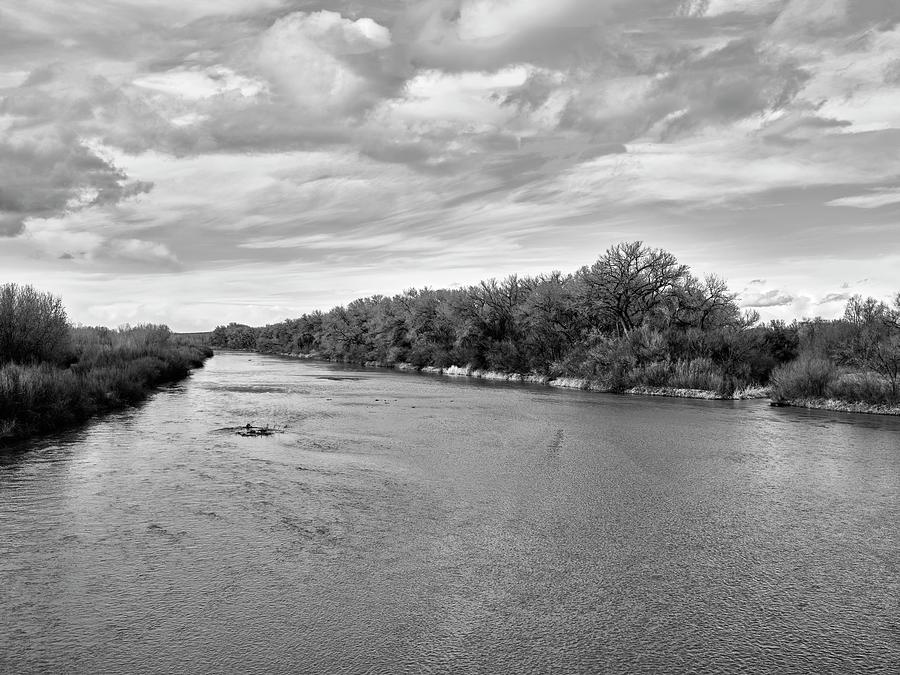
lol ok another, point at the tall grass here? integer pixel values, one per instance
(109, 369)
(811, 377)
(806, 377)
(861, 387)
(700, 373)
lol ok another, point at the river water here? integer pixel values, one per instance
(404, 523)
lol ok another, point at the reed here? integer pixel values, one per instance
(108, 369)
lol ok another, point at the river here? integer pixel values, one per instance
(405, 523)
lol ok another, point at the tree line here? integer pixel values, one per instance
(635, 317)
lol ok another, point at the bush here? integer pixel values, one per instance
(696, 374)
(111, 368)
(607, 359)
(654, 374)
(806, 377)
(37, 397)
(864, 387)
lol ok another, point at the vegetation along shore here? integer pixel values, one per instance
(635, 321)
(54, 375)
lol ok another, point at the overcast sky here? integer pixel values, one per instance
(196, 162)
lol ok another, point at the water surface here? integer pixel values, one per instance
(405, 524)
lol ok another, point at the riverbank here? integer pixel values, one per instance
(112, 371)
(841, 406)
(583, 384)
(743, 394)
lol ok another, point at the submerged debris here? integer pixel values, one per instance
(250, 430)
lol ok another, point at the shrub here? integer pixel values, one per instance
(696, 374)
(607, 359)
(806, 377)
(112, 368)
(654, 374)
(865, 387)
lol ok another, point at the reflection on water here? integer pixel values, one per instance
(405, 523)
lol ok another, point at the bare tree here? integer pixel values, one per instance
(703, 304)
(549, 319)
(865, 313)
(628, 283)
(884, 359)
(33, 326)
(892, 316)
(876, 342)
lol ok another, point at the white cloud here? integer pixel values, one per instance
(472, 97)
(333, 33)
(719, 7)
(71, 238)
(801, 16)
(139, 251)
(773, 298)
(12, 78)
(872, 110)
(51, 236)
(55, 16)
(480, 19)
(196, 84)
(305, 54)
(833, 298)
(871, 200)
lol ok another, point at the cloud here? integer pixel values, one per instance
(492, 19)
(66, 239)
(324, 61)
(712, 8)
(467, 97)
(774, 298)
(195, 83)
(871, 200)
(43, 175)
(433, 138)
(834, 297)
(810, 17)
(488, 35)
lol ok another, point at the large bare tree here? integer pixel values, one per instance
(628, 283)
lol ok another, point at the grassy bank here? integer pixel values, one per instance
(837, 405)
(818, 382)
(562, 382)
(93, 370)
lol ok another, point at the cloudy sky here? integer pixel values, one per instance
(196, 162)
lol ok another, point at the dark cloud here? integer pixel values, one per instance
(45, 176)
(728, 84)
(11, 224)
